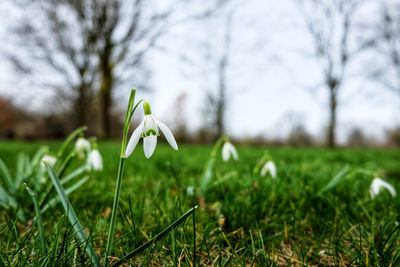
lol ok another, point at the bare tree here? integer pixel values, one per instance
(218, 101)
(210, 65)
(91, 46)
(330, 24)
(388, 45)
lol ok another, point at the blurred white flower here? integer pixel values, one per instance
(94, 161)
(270, 168)
(228, 151)
(82, 145)
(321, 252)
(376, 186)
(49, 159)
(190, 190)
(148, 130)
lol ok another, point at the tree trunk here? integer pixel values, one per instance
(106, 102)
(332, 117)
(219, 119)
(81, 107)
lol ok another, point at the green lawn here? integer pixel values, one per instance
(243, 219)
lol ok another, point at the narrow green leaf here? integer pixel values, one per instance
(69, 140)
(63, 181)
(38, 218)
(79, 230)
(51, 203)
(22, 169)
(339, 177)
(6, 177)
(39, 155)
(207, 175)
(62, 163)
(158, 237)
(73, 174)
(6, 199)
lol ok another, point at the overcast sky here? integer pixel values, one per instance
(273, 80)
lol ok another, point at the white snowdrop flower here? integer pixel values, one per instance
(269, 167)
(49, 159)
(228, 151)
(190, 190)
(148, 130)
(376, 186)
(94, 161)
(82, 145)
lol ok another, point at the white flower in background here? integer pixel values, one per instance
(148, 130)
(376, 186)
(270, 168)
(228, 151)
(49, 159)
(94, 160)
(82, 145)
(190, 190)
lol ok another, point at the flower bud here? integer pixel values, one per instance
(146, 108)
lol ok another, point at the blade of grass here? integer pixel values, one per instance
(79, 230)
(339, 177)
(194, 238)
(156, 238)
(42, 237)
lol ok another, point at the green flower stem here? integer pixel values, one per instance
(128, 116)
(111, 231)
(210, 165)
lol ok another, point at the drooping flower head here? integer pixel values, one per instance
(94, 160)
(82, 146)
(229, 151)
(49, 159)
(269, 167)
(148, 130)
(376, 186)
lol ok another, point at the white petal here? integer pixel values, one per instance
(270, 168)
(82, 144)
(376, 186)
(150, 124)
(167, 133)
(264, 170)
(225, 152)
(234, 152)
(149, 144)
(95, 161)
(49, 159)
(229, 150)
(134, 139)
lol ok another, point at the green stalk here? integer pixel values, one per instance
(111, 231)
(128, 116)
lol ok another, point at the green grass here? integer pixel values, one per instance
(242, 220)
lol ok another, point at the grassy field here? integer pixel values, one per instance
(300, 218)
